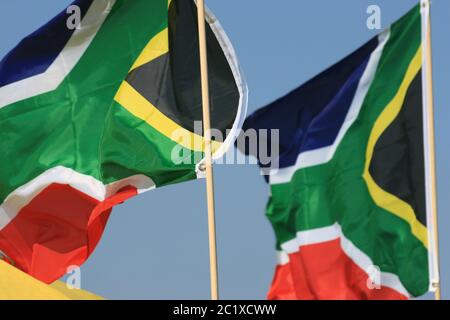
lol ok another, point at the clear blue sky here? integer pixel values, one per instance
(155, 247)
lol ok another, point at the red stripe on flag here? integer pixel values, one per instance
(323, 271)
(60, 227)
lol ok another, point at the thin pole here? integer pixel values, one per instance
(208, 152)
(431, 143)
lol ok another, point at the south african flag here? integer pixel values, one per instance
(93, 115)
(350, 202)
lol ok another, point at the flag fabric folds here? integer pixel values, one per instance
(95, 115)
(348, 201)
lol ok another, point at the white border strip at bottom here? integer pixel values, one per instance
(334, 232)
(88, 185)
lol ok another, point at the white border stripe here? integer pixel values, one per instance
(88, 185)
(323, 155)
(64, 63)
(432, 256)
(241, 84)
(311, 237)
(320, 235)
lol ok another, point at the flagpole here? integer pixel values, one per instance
(432, 148)
(208, 152)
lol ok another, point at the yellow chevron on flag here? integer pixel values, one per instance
(17, 285)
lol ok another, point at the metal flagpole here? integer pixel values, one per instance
(431, 145)
(208, 151)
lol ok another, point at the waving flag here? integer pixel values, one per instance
(91, 116)
(348, 202)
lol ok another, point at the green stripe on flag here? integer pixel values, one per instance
(64, 127)
(149, 152)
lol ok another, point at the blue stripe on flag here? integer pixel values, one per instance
(311, 116)
(35, 53)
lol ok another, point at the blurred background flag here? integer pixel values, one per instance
(91, 116)
(350, 201)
